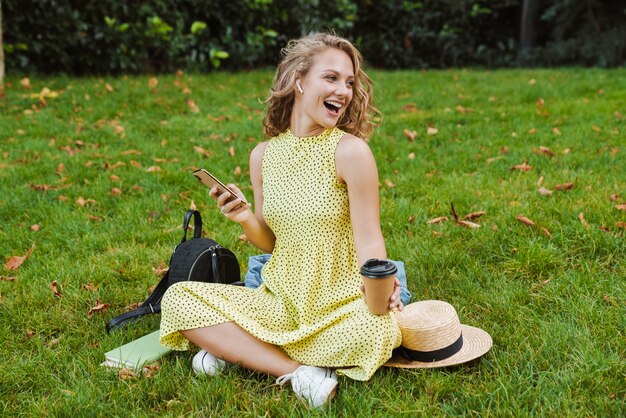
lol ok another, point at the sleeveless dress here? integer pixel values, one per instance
(309, 303)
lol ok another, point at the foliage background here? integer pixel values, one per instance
(108, 36)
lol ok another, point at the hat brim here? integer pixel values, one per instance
(476, 343)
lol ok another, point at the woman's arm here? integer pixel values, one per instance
(356, 166)
(254, 225)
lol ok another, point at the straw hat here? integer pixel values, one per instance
(433, 336)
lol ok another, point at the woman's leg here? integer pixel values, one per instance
(232, 343)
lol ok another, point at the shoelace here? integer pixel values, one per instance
(328, 373)
(284, 378)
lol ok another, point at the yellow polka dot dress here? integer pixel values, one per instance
(309, 303)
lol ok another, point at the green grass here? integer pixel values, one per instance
(555, 306)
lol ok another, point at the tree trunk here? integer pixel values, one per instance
(1, 49)
(527, 24)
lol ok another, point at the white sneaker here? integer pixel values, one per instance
(206, 363)
(316, 385)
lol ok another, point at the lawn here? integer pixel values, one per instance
(95, 176)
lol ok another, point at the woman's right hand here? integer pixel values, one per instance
(235, 210)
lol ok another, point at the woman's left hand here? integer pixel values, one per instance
(394, 301)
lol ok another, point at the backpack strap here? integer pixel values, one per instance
(150, 306)
(197, 224)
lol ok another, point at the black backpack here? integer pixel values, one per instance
(199, 259)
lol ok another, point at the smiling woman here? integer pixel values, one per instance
(315, 187)
(326, 58)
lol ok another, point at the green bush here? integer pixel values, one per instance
(108, 36)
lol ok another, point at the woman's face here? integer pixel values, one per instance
(327, 89)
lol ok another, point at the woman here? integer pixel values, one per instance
(316, 195)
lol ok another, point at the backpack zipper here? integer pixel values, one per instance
(210, 249)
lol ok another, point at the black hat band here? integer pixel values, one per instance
(430, 356)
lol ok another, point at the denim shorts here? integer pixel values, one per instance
(255, 264)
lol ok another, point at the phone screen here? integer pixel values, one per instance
(210, 180)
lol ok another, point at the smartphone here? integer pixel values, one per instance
(210, 180)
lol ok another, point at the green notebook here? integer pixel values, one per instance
(137, 353)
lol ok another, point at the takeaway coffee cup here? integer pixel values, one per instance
(378, 278)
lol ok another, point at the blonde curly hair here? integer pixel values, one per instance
(297, 59)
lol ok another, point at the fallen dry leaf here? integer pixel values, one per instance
(153, 169)
(132, 306)
(193, 107)
(438, 220)
(126, 373)
(522, 167)
(620, 207)
(436, 233)
(564, 186)
(161, 269)
(545, 232)
(525, 220)
(83, 202)
(581, 218)
(131, 152)
(556, 131)
(536, 286)
(544, 192)
(150, 370)
(412, 156)
(116, 191)
(596, 128)
(153, 82)
(237, 171)
(108, 88)
(546, 151)
(614, 197)
(25, 82)
(614, 151)
(243, 237)
(109, 166)
(16, 261)
(610, 300)
(89, 286)
(389, 183)
(98, 308)
(468, 224)
(621, 224)
(203, 151)
(35, 227)
(7, 278)
(410, 134)
(474, 215)
(53, 342)
(55, 289)
(46, 187)
(432, 130)
(462, 109)
(231, 151)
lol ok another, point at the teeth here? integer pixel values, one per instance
(336, 104)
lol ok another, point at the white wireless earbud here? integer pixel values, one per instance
(299, 87)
